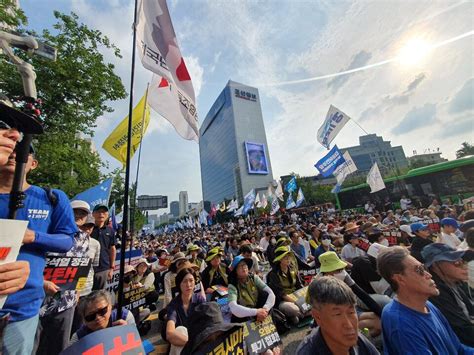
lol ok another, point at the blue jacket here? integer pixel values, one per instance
(54, 231)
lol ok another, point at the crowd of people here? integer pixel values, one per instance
(398, 281)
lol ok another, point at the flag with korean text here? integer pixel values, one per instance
(171, 92)
(374, 179)
(335, 120)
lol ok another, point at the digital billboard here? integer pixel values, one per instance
(257, 162)
(146, 202)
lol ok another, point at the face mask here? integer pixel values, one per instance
(326, 242)
(273, 241)
(384, 242)
(340, 275)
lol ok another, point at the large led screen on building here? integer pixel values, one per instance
(257, 162)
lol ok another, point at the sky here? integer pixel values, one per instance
(415, 88)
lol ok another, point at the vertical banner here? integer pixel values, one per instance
(335, 120)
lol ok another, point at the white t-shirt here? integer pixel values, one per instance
(450, 239)
(349, 252)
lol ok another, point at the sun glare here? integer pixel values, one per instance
(414, 52)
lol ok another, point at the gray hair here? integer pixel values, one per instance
(390, 262)
(93, 297)
(329, 290)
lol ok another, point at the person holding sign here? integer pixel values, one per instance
(51, 228)
(97, 314)
(333, 308)
(181, 307)
(283, 279)
(215, 274)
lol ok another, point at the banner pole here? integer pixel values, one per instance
(127, 168)
(132, 227)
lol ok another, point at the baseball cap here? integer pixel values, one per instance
(406, 228)
(440, 252)
(14, 118)
(100, 206)
(89, 220)
(449, 222)
(81, 205)
(415, 227)
(375, 249)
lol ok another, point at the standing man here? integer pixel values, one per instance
(410, 323)
(51, 228)
(105, 235)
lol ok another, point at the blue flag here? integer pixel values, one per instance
(291, 185)
(330, 162)
(289, 202)
(249, 201)
(97, 195)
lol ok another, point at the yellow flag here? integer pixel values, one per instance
(116, 142)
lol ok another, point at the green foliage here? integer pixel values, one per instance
(76, 90)
(465, 150)
(118, 188)
(10, 16)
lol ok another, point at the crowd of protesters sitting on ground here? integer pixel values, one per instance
(397, 281)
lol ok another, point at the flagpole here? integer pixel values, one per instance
(127, 168)
(132, 227)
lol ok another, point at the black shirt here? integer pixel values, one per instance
(364, 272)
(417, 246)
(105, 236)
(314, 344)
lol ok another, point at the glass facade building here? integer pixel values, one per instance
(228, 169)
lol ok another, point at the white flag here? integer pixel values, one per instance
(279, 191)
(345, 169)
(233, 205)
(172, 94)
(374, 179)
(264, 202)
(257, 201)
(300, 198)
(239, 211)
(275, 206)
(335, 120)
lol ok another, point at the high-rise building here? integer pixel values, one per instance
(233, 146)
(174, 208)
(373, 148)
(183, 203)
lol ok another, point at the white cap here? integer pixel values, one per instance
(375, 249)
(406, 228)
(81, 205)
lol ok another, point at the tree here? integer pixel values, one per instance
(118, 188)
(10, 16)
(465, 150)
(76, 90)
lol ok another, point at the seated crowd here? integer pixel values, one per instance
(398, 282)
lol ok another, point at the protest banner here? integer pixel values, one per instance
(67, 272)
(393, 237)
(333, 123)
(115, 340)
(433, 224)
(11, 238)
(299, 298)
(364, 244)
(112, 284)
(231, 343)
(135, 298)
(261, 336)
(307, 275)
(328, 164)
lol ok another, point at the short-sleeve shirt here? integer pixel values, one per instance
(106, 238)
(176, 311)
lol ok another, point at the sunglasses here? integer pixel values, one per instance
(101, 312)
(459, 263)
(421, 270)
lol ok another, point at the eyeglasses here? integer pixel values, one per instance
(101, 312)
(421, 270)
(459, 263)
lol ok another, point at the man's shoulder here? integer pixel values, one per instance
(312, 344)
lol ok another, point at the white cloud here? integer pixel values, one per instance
(196, 71)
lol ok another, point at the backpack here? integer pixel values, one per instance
(53, 199)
